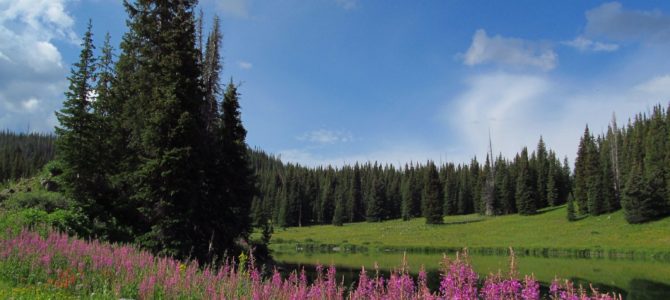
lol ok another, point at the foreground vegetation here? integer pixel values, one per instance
(548, 230)
(54, 264)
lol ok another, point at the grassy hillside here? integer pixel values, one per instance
(549, 229)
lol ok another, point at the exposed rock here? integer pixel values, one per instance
(49, 185)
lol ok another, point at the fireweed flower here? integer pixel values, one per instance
(123, 271)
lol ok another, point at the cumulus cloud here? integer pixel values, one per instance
(612, 21)
(325, 137)
(583, 44)
(32, 72)
(509, 51)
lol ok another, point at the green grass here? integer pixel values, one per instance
(547, 230)
(32, 292)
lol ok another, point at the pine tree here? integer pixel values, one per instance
(338, 213)
(356, 197)
(524, 187)
(596, 203)
(635, 196)
(110, 150)
(160, 72)
(239, 177)
(374, 211)
(542, 169)
(451, 190)
(610, 200)
(76, 133)
(432, 195)
(656, 205)
(211, 70)
(581, 183)
(571, 210)
(552, 186)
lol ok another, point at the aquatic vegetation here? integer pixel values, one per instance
(98, 270)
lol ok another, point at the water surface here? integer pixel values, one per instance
(633, 278)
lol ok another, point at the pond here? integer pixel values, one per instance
(632, 278)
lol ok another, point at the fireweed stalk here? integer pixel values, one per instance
(112, 271)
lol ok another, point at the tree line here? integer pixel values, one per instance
(152, 147)
(292, 195)
(627, 167)
(24, 154)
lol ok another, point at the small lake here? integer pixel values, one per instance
(632, 278)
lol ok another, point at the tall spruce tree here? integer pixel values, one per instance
(240, 177)
(542, 169)
(356, 212)
(110, 149)
(524, 195)
(656, 204)
(375, 207)
(76, 144)
(581, 183)
(160, 74)
(432, 195)
(596, 202)
(338, 213)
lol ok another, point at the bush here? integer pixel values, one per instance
(41, 200)
(72, 222)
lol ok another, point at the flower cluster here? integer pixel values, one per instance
(86, 268)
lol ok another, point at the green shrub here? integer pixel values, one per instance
(41, 200)
(72, 222)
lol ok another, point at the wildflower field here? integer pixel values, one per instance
(56, 266)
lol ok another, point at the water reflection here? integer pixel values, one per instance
(633, 279)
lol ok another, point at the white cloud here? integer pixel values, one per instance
(612, 22)
(347, 4)
(509, 51)
(657, 88)
(518, 109)
(245, 65)
(32, 72)
(324, 137)
(30, 104)
(237, 8)
(583, 44)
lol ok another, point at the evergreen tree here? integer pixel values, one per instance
(552, 186)
(161, 70)
(542, 169)
(571, 210)
(406, 207)
(239, 178)
(655, 205)
(596, 203)
(451, 191)
(635, 197)
(610, 201)
(524, 188)
(356, 197)
(338, 213)
(374, 211)
(432, 195)
(581, 184)
(76, 143)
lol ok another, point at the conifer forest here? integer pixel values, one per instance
(147, 188)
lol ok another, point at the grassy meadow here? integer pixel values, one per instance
(549, 229)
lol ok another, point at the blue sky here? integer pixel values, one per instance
(338, 81)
